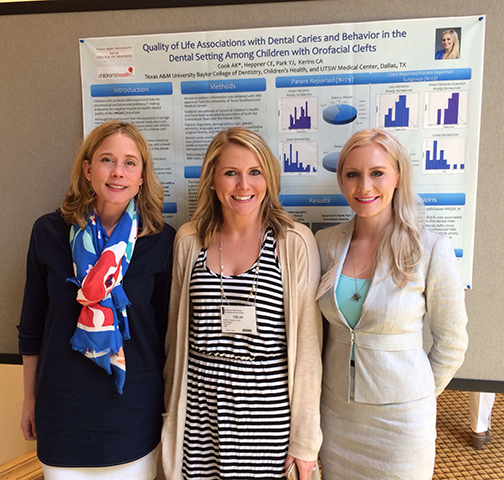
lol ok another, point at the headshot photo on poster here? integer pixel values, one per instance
(448, 43)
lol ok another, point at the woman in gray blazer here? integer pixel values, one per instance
(384, 276)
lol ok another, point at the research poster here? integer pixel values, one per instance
(305, 90)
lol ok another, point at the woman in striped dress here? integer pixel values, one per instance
(243, 374)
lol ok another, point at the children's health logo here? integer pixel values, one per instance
(115, 72)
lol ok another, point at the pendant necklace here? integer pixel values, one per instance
(357, 296)
(256, 273)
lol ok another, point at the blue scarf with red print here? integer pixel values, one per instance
(100, 264)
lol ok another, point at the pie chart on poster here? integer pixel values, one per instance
(330, 161)
(340, 114)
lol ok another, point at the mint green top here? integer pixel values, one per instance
(349, 307)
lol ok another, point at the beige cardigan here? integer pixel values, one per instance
(300, 267)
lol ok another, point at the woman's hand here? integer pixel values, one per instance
(305, 469)
(28, 419)
(28, 416)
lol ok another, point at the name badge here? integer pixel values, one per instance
(327, 281)
(238, 319)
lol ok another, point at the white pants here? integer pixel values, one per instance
(480, 410)
(142, 469)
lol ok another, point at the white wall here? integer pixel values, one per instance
(12, 443)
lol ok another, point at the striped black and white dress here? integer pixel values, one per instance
(238, 416)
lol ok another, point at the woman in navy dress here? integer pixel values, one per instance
(94, 315)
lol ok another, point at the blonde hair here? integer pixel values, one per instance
(401, 239)
(455, 50)
(79, 198)
(208, 214)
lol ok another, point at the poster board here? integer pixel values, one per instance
(305, 90)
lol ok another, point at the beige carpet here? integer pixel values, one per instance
(455, 454)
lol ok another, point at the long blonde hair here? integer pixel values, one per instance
(401, 239)
(79, 198)
(208, 214)
(455, 50)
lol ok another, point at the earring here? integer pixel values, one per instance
(212, 187)
(91, 191)
(139, 194)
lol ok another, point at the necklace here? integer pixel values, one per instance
(357, 296)
(256, 273)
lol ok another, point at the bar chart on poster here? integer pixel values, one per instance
(444, 156)
(397, 111)
(299, 158)
(446, 109)
(298, 114)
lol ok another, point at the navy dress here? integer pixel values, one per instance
(81, 420)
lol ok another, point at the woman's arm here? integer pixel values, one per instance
(29, 380)
(176, 304)
(446, 313)
(161, 294)
(302, 264)
(35, 299)
(175, 371)
(31, 329)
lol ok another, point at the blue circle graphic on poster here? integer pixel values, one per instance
(330, 162)
(339, 114)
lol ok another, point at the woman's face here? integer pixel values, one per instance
(447, 41)
(369, 181)
(239, 182)
(115, 172)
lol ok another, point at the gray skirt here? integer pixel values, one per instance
(389, 442)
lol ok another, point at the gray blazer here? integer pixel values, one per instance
(391, 365)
